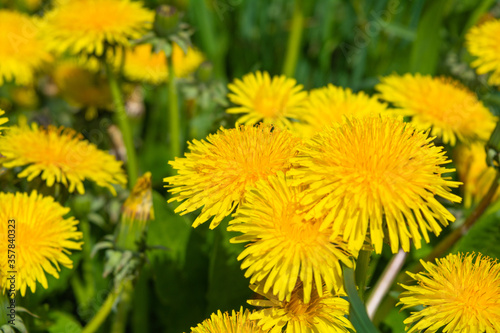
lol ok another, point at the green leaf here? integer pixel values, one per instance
(482, 237)
(357, 310)
(425, 52)
(64, 323)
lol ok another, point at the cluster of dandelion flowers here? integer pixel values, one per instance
(326, 313)
(283, 247)
(441, 104)
(22, 53)
(459, 293)
(473, 171)
(277, 100)
(43, 238)
(330, 105)
(87, 26)
(482, 41)
(216, 173)
(236, 322)
(59, 155)
(373, 176)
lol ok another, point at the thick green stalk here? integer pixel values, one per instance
(361, 271)
(121, 317)
(123, 122)
(294, 40)
(173, 109)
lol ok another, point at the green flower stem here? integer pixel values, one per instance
(4, 303)
(173, 109)
(121, 317)
(294, 40)
(443, 246)
(103, 313)
(123, 122)
(361, 271)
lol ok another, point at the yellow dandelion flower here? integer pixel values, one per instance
(274, 101)
(482, 41)
(473, 171)
(236, 322)
(330, 105)
(216, 172)
(87, 26)
(82, 87)
(283, 247)
(443, 105)
(460, 293)
(379, 175)
(21, 52)
(39, 236)
(325, 313)
(186, 63)
(59, 154)
(142, 64)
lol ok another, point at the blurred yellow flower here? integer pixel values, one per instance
(81, 87)
(327, 313)
(443, 105)
(473, 172)
(59, 155)
(330, 105)
(283, 247)
(21, 52)
(41, 239)
(3, 120)
(216, 173)
(236, 322)
(88, 26)
(459, 293)
(275, 101)
(483, 41)
(142, 64)
(375, 176)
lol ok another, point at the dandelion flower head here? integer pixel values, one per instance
(283, 247)
(441, 104)
(21, 52)
(217, 171)
(375, 176)
(459, 293)
(236, 322)
(43, 239)
(483, 42)
(59, 155)
(87, 26)
(276, 100)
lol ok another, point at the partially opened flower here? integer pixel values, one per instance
(59, 155)
(41, 240)
(186, 63)
(459, 293)
(21, 52)
(443, 105)
(88, 26)
(330, 105)
(326, 313)
(277, 100)
(483, 41)
(236, 322)
(375, 176)
(216, 173)
(283, 247)
(473, 171)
